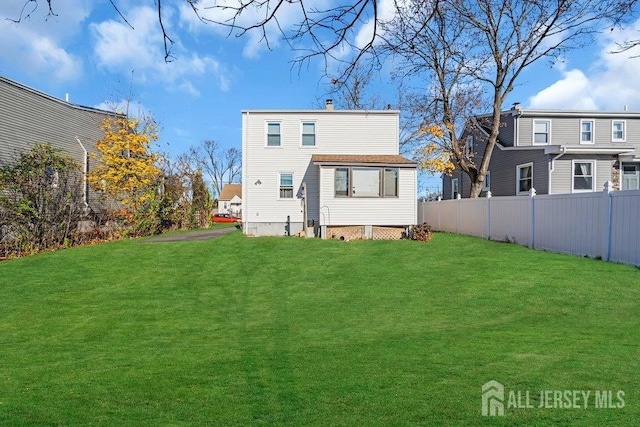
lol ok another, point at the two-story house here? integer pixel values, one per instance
(313, 170)
(28, 116)
(554, 152)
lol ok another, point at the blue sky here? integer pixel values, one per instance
(88, 52)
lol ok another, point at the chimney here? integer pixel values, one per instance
(516, 106)
(66, 97)
(329, 105)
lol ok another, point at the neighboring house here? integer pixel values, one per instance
(230, 199)
(555, 152)
(28, 116)
(333, 167)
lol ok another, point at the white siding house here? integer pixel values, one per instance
(344, 163)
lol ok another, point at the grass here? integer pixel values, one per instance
(287, 331)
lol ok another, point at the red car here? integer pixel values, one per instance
(223, 217)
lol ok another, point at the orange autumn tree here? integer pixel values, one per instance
(126, 169)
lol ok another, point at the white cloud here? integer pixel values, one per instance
(122, 49)
(37, 42)
(608, 81)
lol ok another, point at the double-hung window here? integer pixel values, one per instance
(486, 186)
(541, 131)
(285, 185)
(273, 134)
(583, 176)
(524, 176)
(618, 131)
(308, 134)
(587, 131)
(455, 188)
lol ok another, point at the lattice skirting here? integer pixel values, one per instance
(358, 233)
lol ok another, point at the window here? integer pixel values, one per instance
(308, 134)
(286, 186)
(454, 188)
(618, 133)
(391, 182)
(541, 132)
(273, 134)
(366, 182)
(583, 176)
(342, 182)
(469, 146)
(486, 186)
(586, 131)
(524, 174)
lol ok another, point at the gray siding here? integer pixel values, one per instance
(503, 170)
(507, 130)
(28, 117)
(562, 176)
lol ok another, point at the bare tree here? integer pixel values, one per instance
(222, 166)
(471, 54)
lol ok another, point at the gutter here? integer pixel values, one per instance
(552, 166)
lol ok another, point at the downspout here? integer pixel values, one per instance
(85, 171)
(552, 166)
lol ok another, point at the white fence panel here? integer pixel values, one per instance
(473, 217)
(624, 243)
(603, 224)
(570, 223)
(510, 219)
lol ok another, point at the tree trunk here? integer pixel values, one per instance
(476, 188)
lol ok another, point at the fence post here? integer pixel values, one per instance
(606, 194)
(439, 214)
(489, 215)
(532, 218)
(458, 203)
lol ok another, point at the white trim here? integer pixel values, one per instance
(315, 133)
(293, 186)
(593, 175)
(592, 131)
(455, 183)
(624, 131)
(266, 133)
(533, 129)
(486, 185)
(518, 167)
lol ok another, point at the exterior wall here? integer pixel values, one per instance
(507, 132)
(562, 176)
(232, 206)
(28, 117)
(337, 132)
(503, 170)
(382, 211)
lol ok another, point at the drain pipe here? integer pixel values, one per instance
(85, 171)
(552, 166)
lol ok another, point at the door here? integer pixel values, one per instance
(630, 176)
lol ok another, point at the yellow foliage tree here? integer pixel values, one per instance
(126, 169)
(437, 157)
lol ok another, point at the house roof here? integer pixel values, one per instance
(370, 160)
(229, 191)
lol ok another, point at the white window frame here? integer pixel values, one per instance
(302, 134)
(593, 176)
(455, 188)
(469, 145)
(593, 131)
(486, 185)
(533, 136)
(518, 178)
(279, 186)
(624, 131)
(266, 133)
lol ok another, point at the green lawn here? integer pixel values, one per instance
(288, 331)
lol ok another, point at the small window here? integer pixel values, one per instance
(486, 186)
(541, 132)
(583, 176)
(586, 131)
(273, 134)
(469, 146)
(286, 186)
(454, 188)
(308, 134)
(342, 182)
(390, 182)
(524, 178)
(618, 131)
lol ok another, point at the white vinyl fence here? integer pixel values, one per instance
(598, 225)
